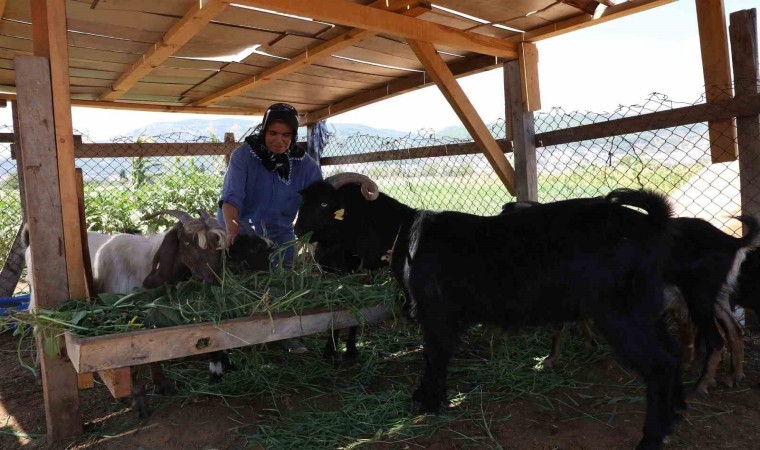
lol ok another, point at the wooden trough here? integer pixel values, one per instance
(103, 353)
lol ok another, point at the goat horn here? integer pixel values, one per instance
(208, 219)
(182, 216)
(370, 191)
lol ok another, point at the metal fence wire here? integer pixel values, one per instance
(423, 169)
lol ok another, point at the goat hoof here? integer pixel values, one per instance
(547, 365)
(142, 408)
(651, 443)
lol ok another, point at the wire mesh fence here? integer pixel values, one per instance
(424, 169)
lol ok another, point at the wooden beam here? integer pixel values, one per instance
(145, 149)
(522, 128)
(417, 81)
(118, 381)
(366, 18)
(311, 56)
(713, 41)
(584, 21)
(433, 151)
(707, 112)
(531, 92)
(232, 111)
(43, 196)
(456, 97)
(188, 26)
(745, 60)
(49, 28)
(3, 3)
(161, 344)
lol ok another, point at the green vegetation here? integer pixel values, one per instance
(191, 183)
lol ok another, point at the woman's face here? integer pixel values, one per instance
(278, 137)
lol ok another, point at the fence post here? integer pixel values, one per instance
(744, 56)
(520, 122)
(228, 138)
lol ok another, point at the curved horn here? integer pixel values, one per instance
(370, 191)
(209, 220)
(182, 216)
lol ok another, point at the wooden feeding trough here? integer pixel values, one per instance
(104, 353)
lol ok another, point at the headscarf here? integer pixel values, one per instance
(278, 163)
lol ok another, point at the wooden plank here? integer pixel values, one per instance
(522, 132)
(531, 91)
(358, 16)
(2, 7)
(398, 87)
(744, 55)
(125, 150)
(584, 21)
(85, 381)
(89, 283)
(292, 65)
(161, 344)
(721, 109)
(50, 281)
(49, 21)
(713, 42)
(194, 20)
(433, 151)
(439, 71)
(118, 381)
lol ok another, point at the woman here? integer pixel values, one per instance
(264, 177)
(262, 184)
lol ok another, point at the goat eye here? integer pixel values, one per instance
(324, 205)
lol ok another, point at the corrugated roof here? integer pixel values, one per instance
(237, 43)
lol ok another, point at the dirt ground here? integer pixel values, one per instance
(728, 419)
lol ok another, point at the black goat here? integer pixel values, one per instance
(584, 258)
(700, 271)
(335, 250)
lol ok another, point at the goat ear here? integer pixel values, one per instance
(166, 266)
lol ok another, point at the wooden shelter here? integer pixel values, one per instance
(325, 57)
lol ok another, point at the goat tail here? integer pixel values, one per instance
(752, 230)
(25, 235)
(656, 205)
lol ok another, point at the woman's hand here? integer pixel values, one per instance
(233, 229)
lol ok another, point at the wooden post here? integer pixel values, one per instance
(452, 91)
(523, 135)
(43, 200)
(713, 40)
(14, 262)
(228, 138)
(50, 39)
(744, 55)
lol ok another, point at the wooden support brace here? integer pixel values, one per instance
(118, 381)
(439, 71)
(521, 124)
(85, 380)
(713, 40)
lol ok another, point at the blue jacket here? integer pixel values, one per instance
(262, 198)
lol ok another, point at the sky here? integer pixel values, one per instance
(598, 68)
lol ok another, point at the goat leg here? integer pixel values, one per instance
(351, 352)
(588, 336)
(331, 346)
(551, 360)
(162, 384)
(138, 398)
(732, 331)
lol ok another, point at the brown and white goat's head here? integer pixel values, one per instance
(193, 247)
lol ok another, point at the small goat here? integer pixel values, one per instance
(584, 258)
(123, 262)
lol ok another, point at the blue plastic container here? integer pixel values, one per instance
(17, 303)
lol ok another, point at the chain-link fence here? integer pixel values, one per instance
(423, 169)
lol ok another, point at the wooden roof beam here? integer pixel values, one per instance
(379, 21)
(224, 110)
(410, 83)
(456, 97)
(310, 56)
(188, 26)
(584, 21)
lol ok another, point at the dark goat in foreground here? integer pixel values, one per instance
(570, 260)
(335, 248)
(700, 270)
